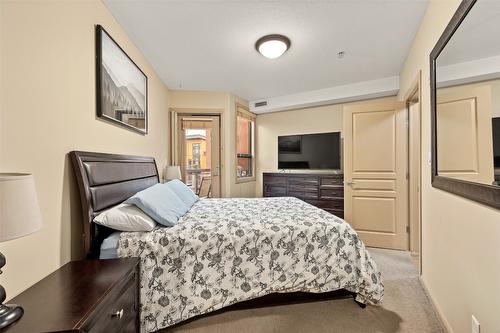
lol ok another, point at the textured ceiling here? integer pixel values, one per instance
(209, 45)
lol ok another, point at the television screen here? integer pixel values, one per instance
(496, 141)
(310, 151)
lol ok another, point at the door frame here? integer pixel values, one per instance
(415, 90)
(200, 112)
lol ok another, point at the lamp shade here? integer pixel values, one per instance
(173, 172)
(19, 210)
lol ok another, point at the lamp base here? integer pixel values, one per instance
(9, 314)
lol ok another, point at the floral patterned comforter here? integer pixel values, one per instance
(224, 251)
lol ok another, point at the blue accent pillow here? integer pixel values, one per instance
(183, 192)
(160, 203)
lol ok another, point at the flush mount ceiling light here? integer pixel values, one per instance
(272, 46)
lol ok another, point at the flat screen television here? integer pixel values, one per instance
(310, 151)
(496, 142)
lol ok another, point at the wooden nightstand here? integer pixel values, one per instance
(83, 296)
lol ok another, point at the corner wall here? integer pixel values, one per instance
(460, 238)
(48, 109)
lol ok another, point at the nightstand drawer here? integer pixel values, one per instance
(118, 311)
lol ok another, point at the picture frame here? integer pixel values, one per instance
(121, 86)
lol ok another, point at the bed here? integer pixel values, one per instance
(223, 251)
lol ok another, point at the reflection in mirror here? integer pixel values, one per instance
(468, 98)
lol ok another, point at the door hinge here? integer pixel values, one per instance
(407, 229)
(407, 176)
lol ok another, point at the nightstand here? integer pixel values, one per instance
(83, 296)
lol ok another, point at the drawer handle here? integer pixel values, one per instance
(118, 314)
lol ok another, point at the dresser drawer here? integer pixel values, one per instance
(118, 311)
(303, 194)
(275, 180)
(305, 181)
(332, 193)
(336, 212)
(327, 204)
(303, 188)
(330, 181)
(274, 191)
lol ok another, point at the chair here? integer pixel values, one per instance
(205, 188)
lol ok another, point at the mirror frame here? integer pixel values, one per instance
(485, 194)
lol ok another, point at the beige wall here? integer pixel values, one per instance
(461, 257)
(224, 103)
(48, 109)
(301, 121)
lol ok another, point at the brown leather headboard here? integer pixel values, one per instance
(105, 180)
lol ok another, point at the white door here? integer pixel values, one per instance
(376, 202)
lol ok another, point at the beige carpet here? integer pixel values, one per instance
(406, 309)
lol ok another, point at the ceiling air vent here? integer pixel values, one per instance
(260, 104)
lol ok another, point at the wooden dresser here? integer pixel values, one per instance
(323, 190)
(83, 296)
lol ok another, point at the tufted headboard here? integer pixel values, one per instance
(105, 180)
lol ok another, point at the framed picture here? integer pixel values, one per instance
(290, 144)
(121, 86)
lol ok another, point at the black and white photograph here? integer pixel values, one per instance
(121, 85)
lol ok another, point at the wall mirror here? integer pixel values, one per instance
(465, 104)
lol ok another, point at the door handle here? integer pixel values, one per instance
(349, 183)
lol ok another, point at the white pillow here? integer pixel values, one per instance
(125, 217)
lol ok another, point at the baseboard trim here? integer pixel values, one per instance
(446, 325)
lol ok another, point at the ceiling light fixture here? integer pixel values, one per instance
(272, 46)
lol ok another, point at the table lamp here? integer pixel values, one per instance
(173, 172)
(19, 216)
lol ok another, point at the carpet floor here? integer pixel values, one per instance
(406, 308)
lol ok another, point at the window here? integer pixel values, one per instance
(245, 132)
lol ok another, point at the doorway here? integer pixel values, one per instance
(198, 153)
